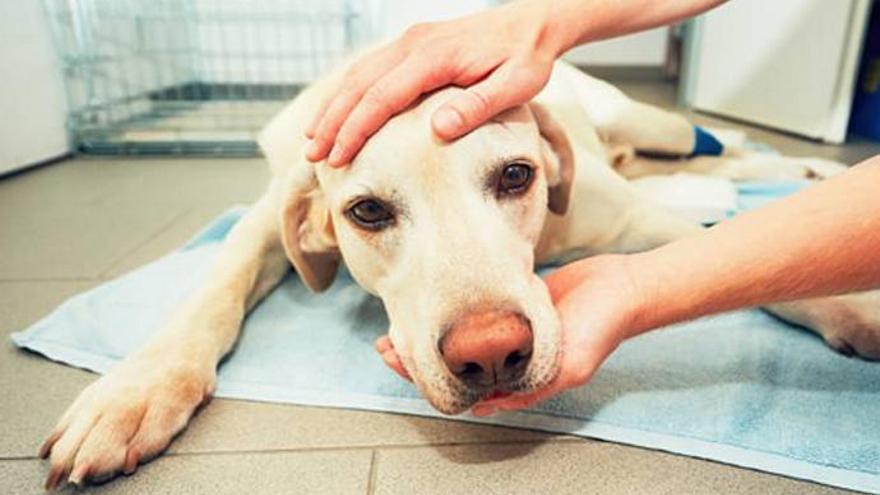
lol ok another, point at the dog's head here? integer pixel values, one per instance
(444, 234)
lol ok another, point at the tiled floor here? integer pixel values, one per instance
(70, 226)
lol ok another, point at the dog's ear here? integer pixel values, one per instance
(558, 156)
(306, 225)
(307, 229)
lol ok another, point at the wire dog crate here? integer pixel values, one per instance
(191, 76)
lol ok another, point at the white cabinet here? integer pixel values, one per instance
(785, 64)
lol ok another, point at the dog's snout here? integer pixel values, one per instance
(488, 349)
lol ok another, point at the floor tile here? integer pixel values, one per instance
(340, 472)
(226, 425)
(58, 241)
(81, 219)
(195, 181)
(182, 180)
(23, 303)
(172, 237)
(34, 391)
(570, 467)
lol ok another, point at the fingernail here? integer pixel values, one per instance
(335, 156)
(314, 150)
(447, 122)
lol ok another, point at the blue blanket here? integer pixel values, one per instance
(741, 388)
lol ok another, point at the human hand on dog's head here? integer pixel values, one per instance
(503, 56)
(597, 302)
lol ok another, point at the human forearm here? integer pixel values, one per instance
(583, 21)
(822, 241)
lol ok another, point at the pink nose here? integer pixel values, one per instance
(490, 348)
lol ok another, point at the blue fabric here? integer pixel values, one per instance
(755, 194)
(705, 143)
(741, 388)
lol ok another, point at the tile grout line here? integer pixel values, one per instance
(371, 475)
(338, 448)
(335, 448)
(14, 458)
(104, 273)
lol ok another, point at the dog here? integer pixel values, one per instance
(447, 235)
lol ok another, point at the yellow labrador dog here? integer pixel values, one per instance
(447, 235)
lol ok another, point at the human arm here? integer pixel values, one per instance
(503, 55)
(822, 241)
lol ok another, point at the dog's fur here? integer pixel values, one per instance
(455, 247)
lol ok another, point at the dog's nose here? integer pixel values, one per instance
(490, 348)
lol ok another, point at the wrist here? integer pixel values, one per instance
(570, 23)
(623, 295)
(668, 288)
(643, 311)
(555, 33)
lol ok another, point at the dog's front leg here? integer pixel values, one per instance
(131, 414)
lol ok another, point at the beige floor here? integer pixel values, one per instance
(70, 226)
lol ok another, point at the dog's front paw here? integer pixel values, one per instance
(124, 418)
(850, 323)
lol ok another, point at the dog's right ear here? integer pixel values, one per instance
(306, 225)
(559, 157)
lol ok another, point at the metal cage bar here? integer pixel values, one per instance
(191, 76)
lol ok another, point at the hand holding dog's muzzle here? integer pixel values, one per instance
(595, 300)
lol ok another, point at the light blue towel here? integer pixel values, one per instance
(754, 194)
(742, 388)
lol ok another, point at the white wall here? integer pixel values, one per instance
(392, 17)
(296, 40)
(640, 49)
(32, 107)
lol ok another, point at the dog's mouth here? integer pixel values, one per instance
(458, 398)
(465, 398)
(449, 394)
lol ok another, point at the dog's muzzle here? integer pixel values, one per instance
(488, 350)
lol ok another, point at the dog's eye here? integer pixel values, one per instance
(371, 214)
(514, 178)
